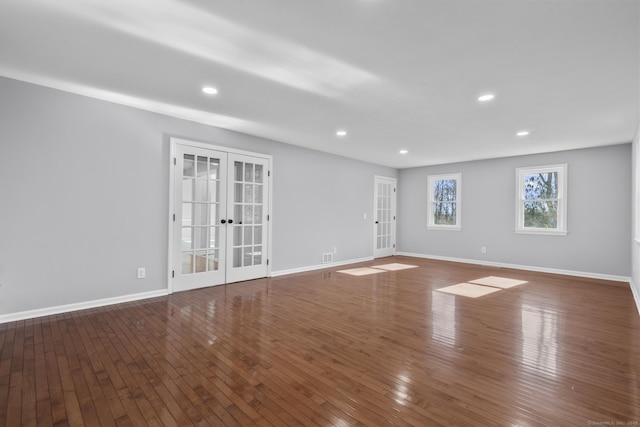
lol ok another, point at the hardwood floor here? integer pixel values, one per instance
(327, 348)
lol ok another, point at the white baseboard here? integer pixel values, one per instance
(636, 294)
(318, 267)
(524, 267)
(30, 314)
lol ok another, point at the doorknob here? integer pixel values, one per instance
(223, 221)
(230, 221)
(377, 222)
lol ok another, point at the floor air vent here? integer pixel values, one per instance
(327, 258)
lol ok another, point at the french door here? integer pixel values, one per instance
(384, 227)
(219, 219)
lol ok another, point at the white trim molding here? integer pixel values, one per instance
(319, 267)
(636, 293)
(611, 277)
(49, 311)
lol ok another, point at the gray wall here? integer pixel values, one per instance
(599, 213)
(84, 188)
(635, 236)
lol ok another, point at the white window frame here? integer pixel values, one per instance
(431, 179)
(561, 228)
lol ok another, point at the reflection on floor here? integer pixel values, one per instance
(394, 266)
(498, 282)
(361, 271)
(377, 269)
(469, 290)
(481, 287)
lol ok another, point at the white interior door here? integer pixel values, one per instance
(247, 214)
(200, 185)
(384, 227)
(220, 217)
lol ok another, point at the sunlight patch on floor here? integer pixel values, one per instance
(361, 271)
(468, 290)
(498, 282)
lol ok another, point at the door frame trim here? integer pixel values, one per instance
(394, 210)
(173, 141)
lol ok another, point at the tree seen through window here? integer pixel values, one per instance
(541, 200)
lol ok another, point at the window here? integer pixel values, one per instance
(541, 202)
(444, 201)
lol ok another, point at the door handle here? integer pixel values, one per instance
(223, 221)
(230, 221)
(377, 222)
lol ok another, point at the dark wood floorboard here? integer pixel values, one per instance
(325, 348)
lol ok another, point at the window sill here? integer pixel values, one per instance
(542, 232)
(444, 228)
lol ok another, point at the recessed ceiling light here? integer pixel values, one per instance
(404, 151)
(486, 97)
(341, 133)
(523, 133)
(210, 90)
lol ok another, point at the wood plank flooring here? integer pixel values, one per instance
(326, 348)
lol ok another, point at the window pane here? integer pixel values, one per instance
(444, 190)
(214, 167)
(200, 214)
(200, 237)
(187, 239)
(257, 214)
(201, 262)
(214, 191)
(187, 264)
(237, 236)
(214, 214)
(248, 172)
(257, 255)
(257, 235)
(248, 215)
(247, 235)
(187, 214)
(237, 189)
(258, 194)
(201, 190)
(248, 193)
(187, 189)
(444, 213)
(237, 257)
(541, 186)
(237, 168)
(541, 214)
(248, 256)
(237, 214)
(212, 261)
(202, 167)
(213, 237)
(187, 165)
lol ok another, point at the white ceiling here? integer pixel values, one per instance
(396, 74)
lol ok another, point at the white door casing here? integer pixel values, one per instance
(219, 219)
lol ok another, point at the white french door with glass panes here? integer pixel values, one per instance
(247, 218)
(384, 210)
(219, 217)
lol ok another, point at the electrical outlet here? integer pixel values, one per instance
(141, 273)
(335, 249)
(483, 250)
